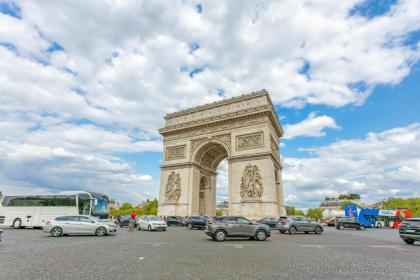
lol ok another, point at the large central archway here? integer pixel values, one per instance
(244, 130)
(207, 157)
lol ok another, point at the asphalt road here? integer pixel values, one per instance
(183, 254)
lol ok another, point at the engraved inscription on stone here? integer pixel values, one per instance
(250, 141)
(177, 152)
(251, 183)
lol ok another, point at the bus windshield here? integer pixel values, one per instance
(100, 207)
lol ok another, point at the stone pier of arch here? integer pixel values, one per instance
(245, 130)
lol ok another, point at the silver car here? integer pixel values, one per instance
(78, 224)
(152, 223)
(294, 224)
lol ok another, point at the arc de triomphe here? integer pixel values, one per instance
(245, 130)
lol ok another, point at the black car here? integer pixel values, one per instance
(175, 221)
(410, 230)
(342, 223)
(124, 221)
(197, 222)
(271, 222)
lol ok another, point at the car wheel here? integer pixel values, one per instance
(409, 241)
(261, 235)
(318, 230)
(341, 227)
(190, 226)
(292, 230)
(56, 232)
(220, 235)
(100, 231)
(17, 223)
(164, 229)
(281, 231)
(149, 228)
(362, 228)
(379, 225)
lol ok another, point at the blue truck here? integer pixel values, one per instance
(368, 217)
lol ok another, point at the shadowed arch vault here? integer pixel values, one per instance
(245, 130)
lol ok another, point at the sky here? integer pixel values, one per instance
(84, 86)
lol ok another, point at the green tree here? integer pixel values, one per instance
(349, 196)
(126, 206)
(219, 213)
(412, 204)
(346, 203)
(314, 213)
(292, 211)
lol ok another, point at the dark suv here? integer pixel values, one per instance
(344, 222)
(233, 226)
(410, 230)
(175, 221)
(196, 222)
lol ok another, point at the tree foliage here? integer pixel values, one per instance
(219, 213)
(346, 203)
(412, 204)
(291, 211)
(314, 213)
(148, 208)
(349, 196)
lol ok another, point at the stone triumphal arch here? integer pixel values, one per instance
(245, 130)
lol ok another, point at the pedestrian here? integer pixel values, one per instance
(132, 221)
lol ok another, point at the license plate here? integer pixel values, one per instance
(410, 231)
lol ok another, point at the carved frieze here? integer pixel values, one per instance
(196, 142)
(176, 152)
(228, 124)
(225, 138)
(251, 183)
(250, 141)
(216, 109)
(173, 187)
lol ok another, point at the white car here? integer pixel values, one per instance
(151, 223)
(78, 224)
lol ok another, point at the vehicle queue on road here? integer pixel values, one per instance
(218, 228)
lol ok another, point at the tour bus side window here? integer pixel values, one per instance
(41, 200)
(84, 204)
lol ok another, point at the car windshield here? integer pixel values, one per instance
(152, 218)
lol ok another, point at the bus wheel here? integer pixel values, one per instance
(17, 223)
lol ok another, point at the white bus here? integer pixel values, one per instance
(34, 210)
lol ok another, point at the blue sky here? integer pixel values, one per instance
(81, 101)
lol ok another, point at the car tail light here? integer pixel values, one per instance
(284, 222)
(48, 223)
